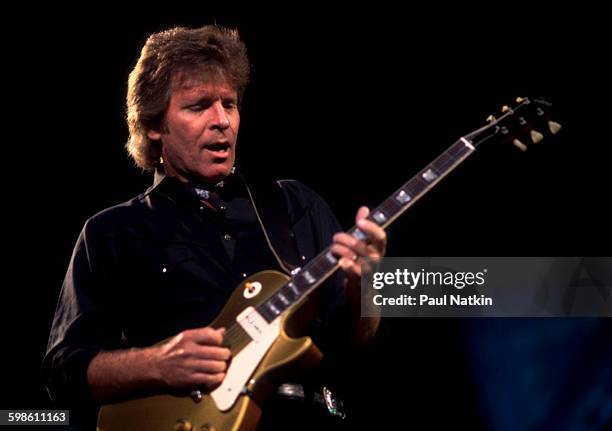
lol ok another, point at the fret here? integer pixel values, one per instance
(459, 150)
(299, 286)
(307, 276)
(330, 258)
(283, 299)
(443, 162)
(273, 308)
(390, 206)
(445, 166)
(319, 267)
(415, 186)
(290, 292)
(266, 312)
(294, 289)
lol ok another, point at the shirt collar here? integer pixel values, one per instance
(177, 190)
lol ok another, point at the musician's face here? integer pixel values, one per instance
(201, 127)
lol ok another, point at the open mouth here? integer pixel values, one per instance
(219, 147)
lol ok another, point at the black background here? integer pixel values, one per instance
(352, 102)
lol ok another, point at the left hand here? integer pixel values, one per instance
(351, 251)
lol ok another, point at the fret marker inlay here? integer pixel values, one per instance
(379, 216)
(403, 197)
(429, 175)
(308, 276)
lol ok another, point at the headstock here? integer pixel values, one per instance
(529, 121)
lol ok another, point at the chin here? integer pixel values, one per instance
(218, 174)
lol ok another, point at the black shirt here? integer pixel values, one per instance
(163, 262)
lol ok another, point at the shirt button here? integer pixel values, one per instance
(227, 236)
(222, 207)
(202, 208)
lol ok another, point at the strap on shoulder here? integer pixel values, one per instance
(270, 203)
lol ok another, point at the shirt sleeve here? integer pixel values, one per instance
(84, 322)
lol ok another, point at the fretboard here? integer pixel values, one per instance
(315, 272)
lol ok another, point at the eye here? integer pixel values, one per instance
(198, 107)
(230, 104)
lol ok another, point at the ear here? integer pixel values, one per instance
(153, 135)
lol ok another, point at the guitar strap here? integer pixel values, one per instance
(268, 199)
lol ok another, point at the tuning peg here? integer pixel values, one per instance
(520, 99)
(505, 109)
(490, 119)
(554, 127)
(536, 136)
(518, 144)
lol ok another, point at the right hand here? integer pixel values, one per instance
(193, 359)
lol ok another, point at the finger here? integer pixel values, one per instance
(358, 247)
(208, 380)
(207, 336)
(376, 234)
(213, 352)
(209, 367)
(347, 257)
(362, 213)
(350, 267)
(343, 251)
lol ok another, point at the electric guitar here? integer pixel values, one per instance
(262, 310)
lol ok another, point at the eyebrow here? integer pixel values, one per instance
(209, 98)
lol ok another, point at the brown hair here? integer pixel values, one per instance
(209, 49)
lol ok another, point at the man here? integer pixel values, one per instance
(148, 276)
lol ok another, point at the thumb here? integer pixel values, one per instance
(362, 213)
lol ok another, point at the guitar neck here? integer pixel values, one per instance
(313, 274)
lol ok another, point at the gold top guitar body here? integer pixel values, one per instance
(168, 412)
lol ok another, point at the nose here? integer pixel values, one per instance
(220, 119)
